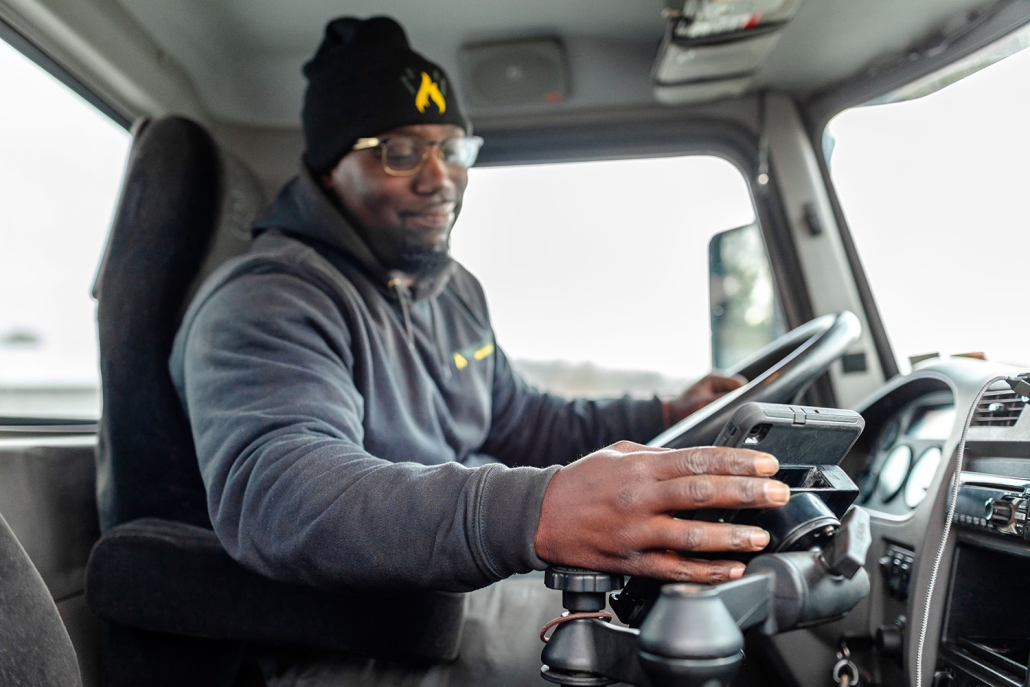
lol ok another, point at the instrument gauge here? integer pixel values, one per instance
(889, 434)
(892, 474)
(922, 475)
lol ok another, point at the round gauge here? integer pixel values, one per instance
(889, 434)
(893, 473)
(921, 477)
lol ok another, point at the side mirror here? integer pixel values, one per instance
(745, 311)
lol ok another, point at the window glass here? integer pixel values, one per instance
(61, 163)
(597, 272)
(933, 182)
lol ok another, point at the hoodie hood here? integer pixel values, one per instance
(305, 211)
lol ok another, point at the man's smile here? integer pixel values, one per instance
(435, 219)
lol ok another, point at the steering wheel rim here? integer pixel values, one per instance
(789, 364)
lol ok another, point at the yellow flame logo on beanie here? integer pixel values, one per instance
(429, 90)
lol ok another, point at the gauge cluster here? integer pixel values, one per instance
(907, 453)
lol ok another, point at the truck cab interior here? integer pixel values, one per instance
(823, 196)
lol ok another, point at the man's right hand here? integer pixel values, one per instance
(613, 510)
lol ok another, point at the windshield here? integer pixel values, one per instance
(933, 182)
(597, 272)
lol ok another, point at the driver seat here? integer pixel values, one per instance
(176, 608)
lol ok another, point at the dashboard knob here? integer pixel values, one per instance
(999, 513)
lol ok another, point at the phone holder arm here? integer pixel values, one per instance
(695, 633)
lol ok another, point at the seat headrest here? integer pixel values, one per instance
(185, 207)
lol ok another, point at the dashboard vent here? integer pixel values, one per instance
(999, 407)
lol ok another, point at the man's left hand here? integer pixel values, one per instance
(698, 396)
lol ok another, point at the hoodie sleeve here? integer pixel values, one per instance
(533, 428)
(266, 377)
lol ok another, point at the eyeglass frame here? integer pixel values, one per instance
(372, 142)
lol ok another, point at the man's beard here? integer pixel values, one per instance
(400, 248)
(418, 260)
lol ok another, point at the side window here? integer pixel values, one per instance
(598, 273)
(61, 164)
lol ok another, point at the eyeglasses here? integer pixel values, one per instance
(403, 156)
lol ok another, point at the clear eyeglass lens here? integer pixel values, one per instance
(459, 152)
(405, 153)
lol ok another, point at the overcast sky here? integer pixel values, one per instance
(605, 262)
(935, 191)
(61, 165)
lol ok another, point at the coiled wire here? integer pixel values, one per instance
(952, 503)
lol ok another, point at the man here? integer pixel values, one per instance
(356, 423)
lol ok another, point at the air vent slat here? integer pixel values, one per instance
(999, 407)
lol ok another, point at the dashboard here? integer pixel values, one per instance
(904, 464)
(907, 453)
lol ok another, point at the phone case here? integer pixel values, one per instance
(796, 435)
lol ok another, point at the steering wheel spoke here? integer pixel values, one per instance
(778, 373)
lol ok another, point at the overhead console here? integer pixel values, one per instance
(712, 48)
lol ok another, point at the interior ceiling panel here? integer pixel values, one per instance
(245, 56)
(830, 40)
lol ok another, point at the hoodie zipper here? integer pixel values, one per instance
(445, 362)
(404, 296)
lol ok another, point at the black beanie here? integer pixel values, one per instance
(364, 80)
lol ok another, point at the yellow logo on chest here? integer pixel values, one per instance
(478, 352)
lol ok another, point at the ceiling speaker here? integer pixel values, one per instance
(521, 72)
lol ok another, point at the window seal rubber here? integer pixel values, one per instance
(19, 42)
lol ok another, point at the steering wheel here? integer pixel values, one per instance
(779, 372)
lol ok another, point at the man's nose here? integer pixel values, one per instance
(434, 176)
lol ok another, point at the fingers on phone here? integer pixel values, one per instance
(688, 536)
(715, 460)
(667, 565)
(718, 491)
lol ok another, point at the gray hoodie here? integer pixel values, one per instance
(351, 433)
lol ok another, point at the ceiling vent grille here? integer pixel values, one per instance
(999, 407)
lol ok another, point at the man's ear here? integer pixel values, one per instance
(326, 177)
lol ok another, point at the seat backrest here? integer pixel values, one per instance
(185, 207)
(34, 646)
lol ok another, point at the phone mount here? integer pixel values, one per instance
(693, 635)
(820, 492)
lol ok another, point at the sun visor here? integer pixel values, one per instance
(712, 48)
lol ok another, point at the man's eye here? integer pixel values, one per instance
(402, 158)
(455, 152)
(401, 149)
